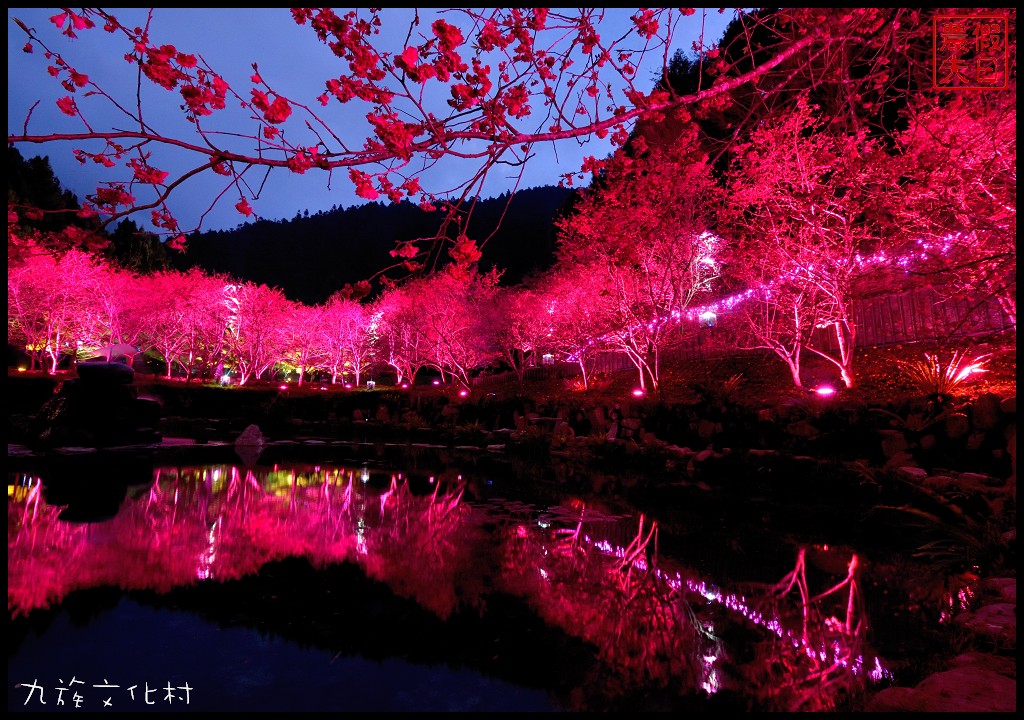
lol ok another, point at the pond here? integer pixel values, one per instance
(350, 578)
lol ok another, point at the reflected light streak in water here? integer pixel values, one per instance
(836, 654)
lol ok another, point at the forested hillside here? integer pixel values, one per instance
(313, 255)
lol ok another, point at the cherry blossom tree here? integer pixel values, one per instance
(778, 312)
(816, 201)
(305, 339)
(578, 313)
(205, 318)
(961, 205)
(518, 326)
(487, 86)
(255, 337)
(55, 305)
(455, 328)
(645, 228)
(401, 337)
(119, 321)
(350, 329)
(184, 318)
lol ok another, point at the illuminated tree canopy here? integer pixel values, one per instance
(807, 159)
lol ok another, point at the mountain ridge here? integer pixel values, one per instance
(314, 255)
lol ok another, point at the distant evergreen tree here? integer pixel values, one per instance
(42, 213)
(32, 186)
(135, 250)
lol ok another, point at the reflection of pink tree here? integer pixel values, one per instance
(645, 621)
(830, 646)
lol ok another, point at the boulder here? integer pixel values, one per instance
(985, 411)
(106, 372)
(99, 408)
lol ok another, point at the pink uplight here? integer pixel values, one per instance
(825, 391)
(638, 393)
(437, 382)
(463, 393)
(405, 386)
(284, 387)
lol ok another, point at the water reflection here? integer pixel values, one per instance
(451, 543)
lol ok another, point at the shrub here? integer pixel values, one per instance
(937, 379)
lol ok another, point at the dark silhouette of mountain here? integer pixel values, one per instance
(313, 256)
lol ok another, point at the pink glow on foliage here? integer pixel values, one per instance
(925, 251)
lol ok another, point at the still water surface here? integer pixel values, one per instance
(405, 584)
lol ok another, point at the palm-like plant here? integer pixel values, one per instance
(937, 379)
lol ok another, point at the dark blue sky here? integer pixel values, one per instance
(289, 57)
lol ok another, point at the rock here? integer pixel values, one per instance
(977, 480)
(996, 622)
(250, 437)
(961, 689)
(986, 661)
(99, 408)
(893, 442)
(802, 428)
(106, 372)
(1003, 588)
(940, 483)
(985, 412)
(957, 425)
(969, 689)
(706, 454)
(913, 473)
(705, 429)
(1008, 406)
